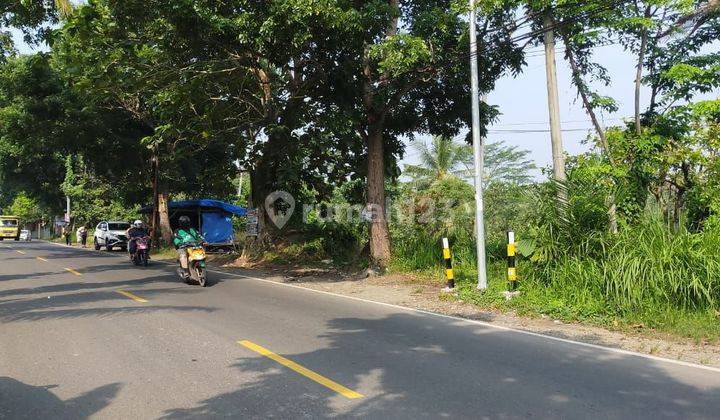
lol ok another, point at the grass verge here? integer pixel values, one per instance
(164, 254)
(572, 303)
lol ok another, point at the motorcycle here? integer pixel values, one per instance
(142, 251)
(196, 264)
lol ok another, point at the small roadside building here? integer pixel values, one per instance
(212, 218)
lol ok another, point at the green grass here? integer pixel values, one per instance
(164, 253)
(58, 240)
(646, 278)
(576, 304)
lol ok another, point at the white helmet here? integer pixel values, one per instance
(138, 223)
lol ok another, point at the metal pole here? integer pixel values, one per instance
(477, 152)
(67, 208)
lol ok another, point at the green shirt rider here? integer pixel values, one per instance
(185, 235)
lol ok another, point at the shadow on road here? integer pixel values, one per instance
(88, 299)
(7, 277)
(22, 401)
(86, 286)
(429, 369)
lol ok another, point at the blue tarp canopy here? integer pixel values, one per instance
(217, 228)
(212, 217)
(207, 204)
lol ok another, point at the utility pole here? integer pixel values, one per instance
(477, 152)
(554, 105)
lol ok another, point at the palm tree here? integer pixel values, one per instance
(445, 157)
(442, 158)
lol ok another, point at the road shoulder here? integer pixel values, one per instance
(404, 291)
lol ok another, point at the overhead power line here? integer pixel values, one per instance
(520, 131)
(560, 24)
(562, 50)
(547, 122)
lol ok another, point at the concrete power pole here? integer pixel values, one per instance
(554, 105)
(477, 152)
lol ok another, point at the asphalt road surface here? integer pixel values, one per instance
(85, 334)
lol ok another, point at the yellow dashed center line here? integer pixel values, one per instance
(77, 273)
(345, 392)
(41, 259)
(20, 252)
(132, 296)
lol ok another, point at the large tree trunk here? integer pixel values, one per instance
(379, 234)
(164, 216)
(264, 177)
(258, 194)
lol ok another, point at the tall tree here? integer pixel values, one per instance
(279, 53)
(42, 121)
(406, 69)
(628, 24)
(147, 71)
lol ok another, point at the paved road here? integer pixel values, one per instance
(72, 346)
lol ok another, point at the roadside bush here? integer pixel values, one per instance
(444, 209)
(335, 240)
(647, 266)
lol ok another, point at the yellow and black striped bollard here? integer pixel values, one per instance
(448, 264)
(511, 270)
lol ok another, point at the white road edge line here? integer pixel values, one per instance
(485, 324)
(469, 321)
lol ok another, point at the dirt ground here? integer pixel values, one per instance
(416, 293)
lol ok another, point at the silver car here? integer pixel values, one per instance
(111, 234)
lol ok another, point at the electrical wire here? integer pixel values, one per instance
(561, 122)
(560, 24)
(521, 131)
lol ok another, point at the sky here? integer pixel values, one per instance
(522, 102)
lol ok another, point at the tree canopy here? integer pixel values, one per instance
(313, 96)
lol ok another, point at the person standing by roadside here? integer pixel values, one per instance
(83, 236)
(67, 232)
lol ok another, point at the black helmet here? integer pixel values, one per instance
(184, 222)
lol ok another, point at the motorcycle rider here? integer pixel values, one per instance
(137, 230)
(184, 235)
